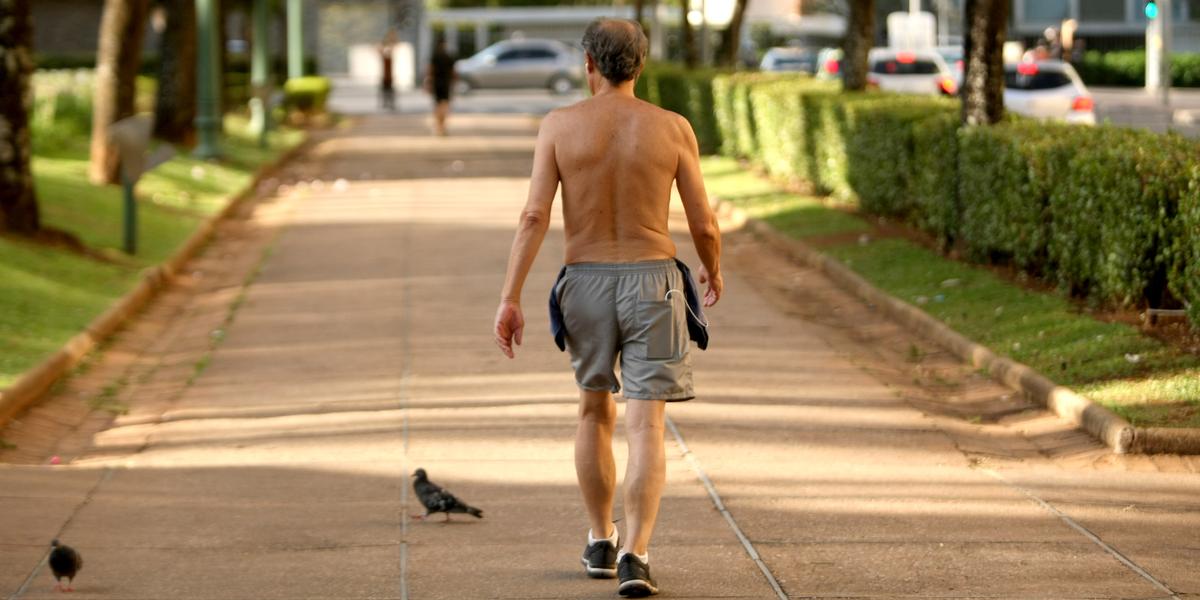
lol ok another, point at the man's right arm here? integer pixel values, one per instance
(702, 223)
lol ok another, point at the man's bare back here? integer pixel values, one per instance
(617, 158)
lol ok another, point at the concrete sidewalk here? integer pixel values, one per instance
(277, 464)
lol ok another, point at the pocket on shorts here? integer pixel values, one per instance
(659, 327)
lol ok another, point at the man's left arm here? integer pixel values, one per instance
(531, 230)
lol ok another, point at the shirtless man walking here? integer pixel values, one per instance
(621, 294)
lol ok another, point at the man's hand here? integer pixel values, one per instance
(715, 286)
(510, 323)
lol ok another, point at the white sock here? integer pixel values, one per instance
(613, 538)
(645, 558)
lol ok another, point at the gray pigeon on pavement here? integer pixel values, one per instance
(64, 562)
(437, 500)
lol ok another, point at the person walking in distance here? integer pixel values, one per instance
(439, 81)
(622, 295)
(387, 89)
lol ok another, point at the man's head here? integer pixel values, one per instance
(616, 50)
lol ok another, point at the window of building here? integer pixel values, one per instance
(1046, 11)
(1106, 11)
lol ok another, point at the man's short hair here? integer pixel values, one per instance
(617, 46)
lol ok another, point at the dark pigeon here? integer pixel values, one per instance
(437, 500)
(64, 562)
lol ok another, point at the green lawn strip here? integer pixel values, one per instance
(1144, 380)
(47, 294)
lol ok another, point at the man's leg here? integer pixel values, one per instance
(594, 465)
(646, 472)
(440, 113)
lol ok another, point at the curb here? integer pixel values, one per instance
(1097, 420)
(30, 387)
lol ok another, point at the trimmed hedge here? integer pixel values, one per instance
(1113, 218)
(1128, 68)
(936, 177)
(1108, 214)
(689, 93)
(1185, 271)
(1005, 180)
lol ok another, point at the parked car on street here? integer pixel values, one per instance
(953, 55)
(829, 64)
(801, 60)
(922, 72)
(1048, 89)
(527, 63)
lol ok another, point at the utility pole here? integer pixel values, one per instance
(208, 110)
(295, 38)
(1158, 49)
(260, 116)
(914, 13)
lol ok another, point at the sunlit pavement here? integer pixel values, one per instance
(362, 351)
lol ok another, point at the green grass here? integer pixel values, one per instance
(1142, 379)
(47, 294)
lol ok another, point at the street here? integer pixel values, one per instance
(278, 408)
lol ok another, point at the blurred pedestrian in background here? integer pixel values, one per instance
(387, 89)
(439, 81)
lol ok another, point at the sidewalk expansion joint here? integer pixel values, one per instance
(1085, 532)
(108, 472)
(720, 505)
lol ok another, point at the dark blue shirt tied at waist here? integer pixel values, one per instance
(696, 323)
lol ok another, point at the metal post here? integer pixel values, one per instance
(481, 35)
(208, 117)
(1164, 60)
(131, 220)
(295, 38)
(914, 11)
(260, 118)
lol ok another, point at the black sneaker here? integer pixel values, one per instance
(636, 581)
(600, 559)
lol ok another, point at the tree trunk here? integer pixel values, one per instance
(175, 105)
(118, 58)
(18, 203)
(639, 10)
(690, 55)
(733, 35)
(860, 35)
(986, 27)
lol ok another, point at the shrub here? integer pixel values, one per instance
(880, 149)
(1006, 175)
(689, 93)
(1185, 273)
(1113, 218)
(306, 94)
(935, 177)
(782, 125)
(1128, 68)
(722, 89)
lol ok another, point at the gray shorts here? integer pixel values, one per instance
(628, 310)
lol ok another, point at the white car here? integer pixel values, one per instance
(911, 72)
(1048, 89)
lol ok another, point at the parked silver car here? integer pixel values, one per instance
(1048, 89)
(528, 63)
(911, 72)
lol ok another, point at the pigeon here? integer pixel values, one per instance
(64, 562)
(437, 500)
